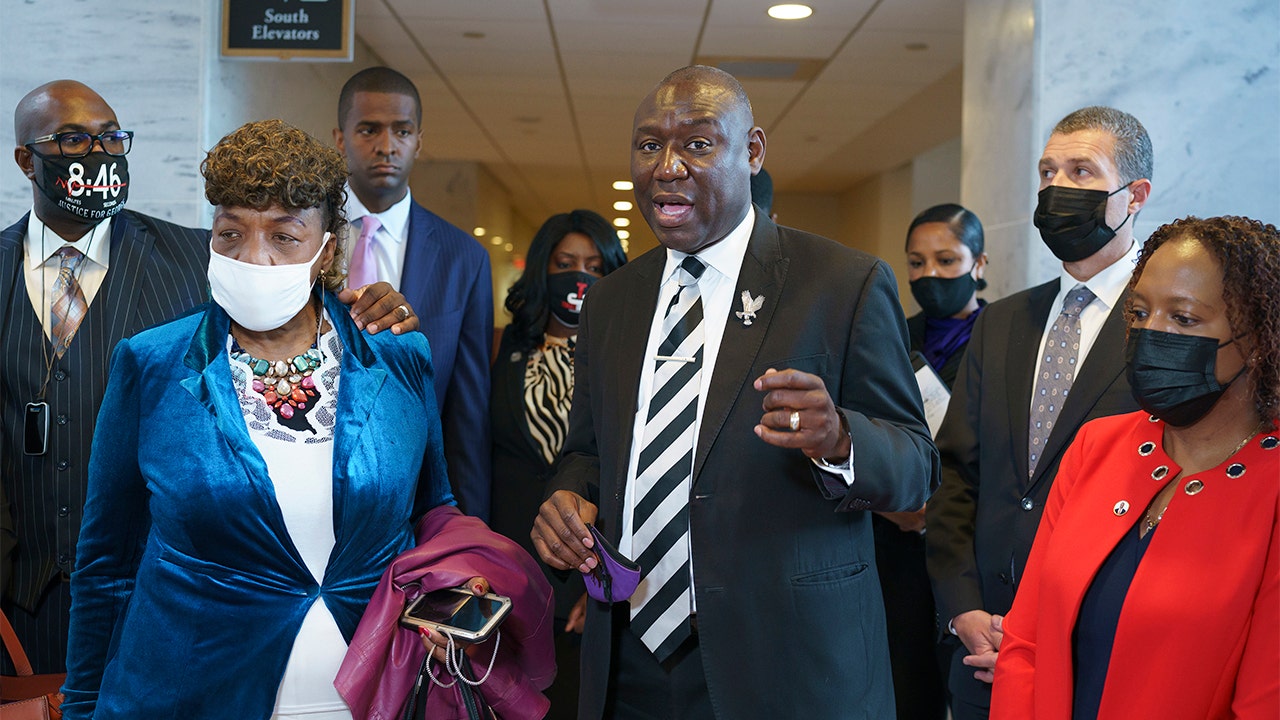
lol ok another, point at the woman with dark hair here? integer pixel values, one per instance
(945, 261)
(1153, 585)
(253, 470)
(531, 395)
(945, 264)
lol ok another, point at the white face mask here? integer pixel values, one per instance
(260, 297)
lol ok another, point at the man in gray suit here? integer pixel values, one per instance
(1039, 365)
(77, 274)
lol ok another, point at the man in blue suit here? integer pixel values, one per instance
(441, 270)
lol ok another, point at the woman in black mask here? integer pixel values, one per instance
(945, 265)
(530, 398)
(1154, 581)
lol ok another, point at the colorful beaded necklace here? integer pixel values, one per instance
(287, 386)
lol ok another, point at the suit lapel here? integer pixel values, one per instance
(210, 384)
(11, 254)
(1099, 370)
(512, 384)
(763, 273)
(129, 272)
(420, 253)
(1021, 363)
(361, 384)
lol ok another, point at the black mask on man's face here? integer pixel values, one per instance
(1073, 221)
(93, 187)
(1174, 376)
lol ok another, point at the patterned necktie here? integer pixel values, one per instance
(69, 304)
(660, 519)
(364, 267)
(1056, 371)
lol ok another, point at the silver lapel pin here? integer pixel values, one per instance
(749, 307)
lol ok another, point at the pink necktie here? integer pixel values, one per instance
(364, 268)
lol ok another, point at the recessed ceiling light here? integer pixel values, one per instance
(621, 222)
(479, 232)
(790, 11)
(624, 234)
(508, 247)
(622, 185)
(622, 206)
(495, 240)
(626, 246)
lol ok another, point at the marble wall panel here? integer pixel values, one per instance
(144, 58)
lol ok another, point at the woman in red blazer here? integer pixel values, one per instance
(1153, 586)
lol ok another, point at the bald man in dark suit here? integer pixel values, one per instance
(788, 355)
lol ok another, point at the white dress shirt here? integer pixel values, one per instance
(41, 267)
(1107, 287)
(389, 242)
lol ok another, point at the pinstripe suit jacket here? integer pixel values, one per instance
(447, 280)
(157, 271)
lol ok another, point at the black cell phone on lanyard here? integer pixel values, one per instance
(36, 440)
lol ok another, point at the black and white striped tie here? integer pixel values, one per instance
(660, 520)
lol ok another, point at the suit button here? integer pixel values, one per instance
(62, 419)
(64, 559)
(1027, 504)
(60, 375)
(1004, 578)
(63, 464)
(64, 511)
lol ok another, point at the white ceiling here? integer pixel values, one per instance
(544, 96)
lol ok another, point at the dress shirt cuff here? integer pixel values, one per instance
(835, 480)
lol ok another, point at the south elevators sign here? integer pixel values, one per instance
(285, 29)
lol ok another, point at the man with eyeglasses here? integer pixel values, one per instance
(78, 274)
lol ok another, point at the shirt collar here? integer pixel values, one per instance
(1109, 284)
(395, 220)
(725, 257)
(41, 244)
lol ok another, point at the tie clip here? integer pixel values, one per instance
(674, 358)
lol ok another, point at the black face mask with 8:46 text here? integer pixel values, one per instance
(93, 187)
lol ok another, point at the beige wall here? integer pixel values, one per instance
(873, 215)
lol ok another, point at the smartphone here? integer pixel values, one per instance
(456, 612)
(36, 440)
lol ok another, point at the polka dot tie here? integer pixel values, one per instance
(1056, 370)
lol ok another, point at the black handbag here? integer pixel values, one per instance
(477, 708)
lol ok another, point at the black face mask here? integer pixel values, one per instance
(93, 187)
(1073, 221)
(1172, 376)
(564, 295)
(943, 297)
